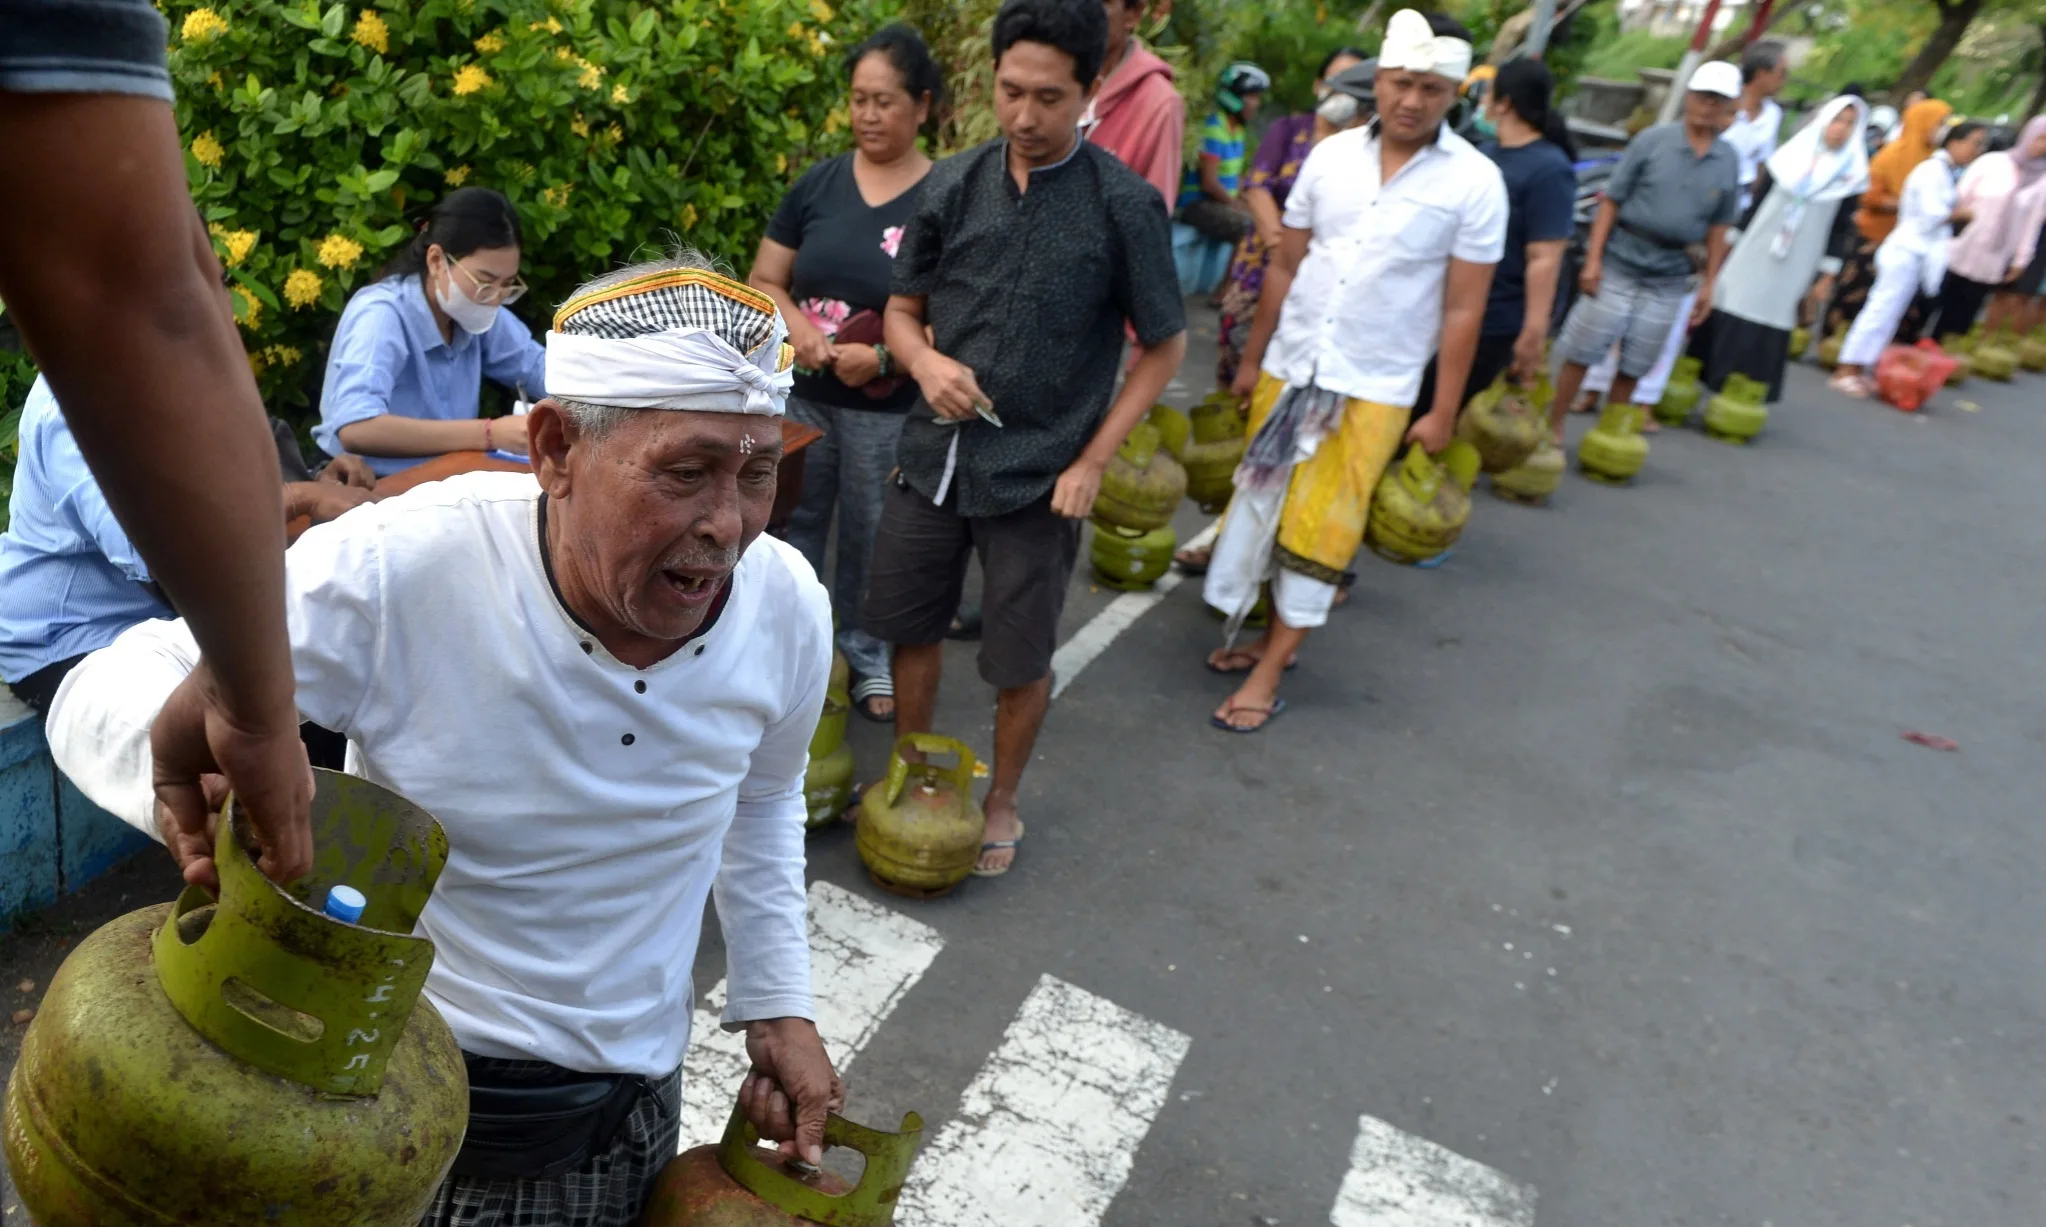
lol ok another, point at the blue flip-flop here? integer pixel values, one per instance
(1270, 714)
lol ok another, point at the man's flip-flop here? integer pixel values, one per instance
(868, 688)
(1215, 668)
(1269, 713)
(996, 845)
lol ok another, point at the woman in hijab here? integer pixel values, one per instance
(1917, 139)
(1755, 301)
(2006, 193)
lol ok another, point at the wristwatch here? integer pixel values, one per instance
(887, 363)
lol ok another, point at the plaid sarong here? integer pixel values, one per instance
(608, 1192)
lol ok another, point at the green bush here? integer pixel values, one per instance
(1622, 57)
(316, 138)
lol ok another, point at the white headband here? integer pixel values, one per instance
(684, 368)
(1411, 44)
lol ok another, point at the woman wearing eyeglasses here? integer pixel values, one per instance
(413, 347)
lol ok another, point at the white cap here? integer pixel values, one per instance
(1716, 77)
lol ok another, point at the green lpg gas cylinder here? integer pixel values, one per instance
(920, 828)
(1997, 358)
(737, 1183)
(251, 1060)
(1534, 481)
(1680, 396)
(1829, 349)
(1214, 449)
(1613, 451)
(1142, 485)
(1175, 429)
(1800, 341)
(1505, 423)
(828, 785)
(2032, 352)
(1129, 560)
(1421, 504)
(1737, 414)
(830, 732)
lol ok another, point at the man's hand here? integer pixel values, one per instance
(1530, 348)
(508, 434)
(194, 737)
(856, 365)
(1245, 382)
(1702, 309)
(948, 386)
(349, 469)
(1077, 488)
(1433, 432)
(814, 351)
(791, 1087)
(1588, 278)
(333, 502)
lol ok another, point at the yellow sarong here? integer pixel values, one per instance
(1328, 497)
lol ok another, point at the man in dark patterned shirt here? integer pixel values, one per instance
(1025, 257)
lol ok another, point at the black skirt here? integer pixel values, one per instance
(1743, 347)
(2032, 281)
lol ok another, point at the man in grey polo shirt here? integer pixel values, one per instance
(1677, 186)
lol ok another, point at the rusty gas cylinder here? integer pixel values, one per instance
(736, 1183)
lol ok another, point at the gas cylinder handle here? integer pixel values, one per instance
(928, 743)
(870, 1203)
(1139, 446)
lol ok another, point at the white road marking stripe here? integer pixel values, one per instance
(863, 958)
(1048, 1129)
(1093, 639)
(1399, 1180)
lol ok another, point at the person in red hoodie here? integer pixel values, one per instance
(1137, 114)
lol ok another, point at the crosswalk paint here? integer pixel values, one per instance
(1049, 1128)
(863, 958)
(1399, 1180)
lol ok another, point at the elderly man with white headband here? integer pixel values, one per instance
(1391, 234)
(602, 680)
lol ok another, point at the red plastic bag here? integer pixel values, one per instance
(1908, 375)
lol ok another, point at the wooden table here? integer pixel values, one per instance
(795, 437)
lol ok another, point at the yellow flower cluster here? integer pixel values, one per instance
(203, 24)
(820, 10)
(469, 78)
(302, 288)
(564, 54)
(550, 25)
(274, 355)
(372, 33)
(620, 95)
(490, 44)
(614, 136)
(239, 243)
(688, 216)
(579, 125)
(834, 121)
(207, 151)
(215, 81)
(781, 164)
(247, 308)
(795, 29)
(457, 177)
(818, 45)
(557, 196)
(339, 251)
(591, 76)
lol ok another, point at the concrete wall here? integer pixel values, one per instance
(52, 840)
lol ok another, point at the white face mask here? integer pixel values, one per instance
(470, 316)
(1338, 109)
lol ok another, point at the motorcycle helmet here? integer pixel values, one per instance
(1240, 78)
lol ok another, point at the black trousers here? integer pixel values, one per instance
(1493, 355)
(1960, 302)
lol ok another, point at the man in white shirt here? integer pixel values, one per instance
(1757, 120)
(1391, 233)
(602, 680)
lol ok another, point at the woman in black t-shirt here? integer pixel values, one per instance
(826, 261)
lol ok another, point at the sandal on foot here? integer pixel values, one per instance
(1269, 713)
(1240, 654)
(866, 690)
(996, 845)
(1193, 561)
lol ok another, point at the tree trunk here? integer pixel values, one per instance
(2039, 94)
(1954, 19)
(1729, 48)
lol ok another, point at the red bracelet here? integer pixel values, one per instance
(486, 436)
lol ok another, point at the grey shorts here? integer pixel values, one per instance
(919, 570)
(1637, 312)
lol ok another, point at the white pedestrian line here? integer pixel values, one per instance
(1399, 1180)
(1048, 1129)
(863, 958)
(1093, 639)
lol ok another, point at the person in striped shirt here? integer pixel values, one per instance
(1208, 199)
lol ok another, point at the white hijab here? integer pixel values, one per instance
(1814, 174)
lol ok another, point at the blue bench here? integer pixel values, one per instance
(52, 840)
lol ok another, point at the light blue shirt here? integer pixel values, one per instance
(70, 580)
(388, 357)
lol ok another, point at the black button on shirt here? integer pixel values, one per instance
(1030, 290)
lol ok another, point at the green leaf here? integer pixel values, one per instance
(643, 26)
(335, 20)
(380, 182)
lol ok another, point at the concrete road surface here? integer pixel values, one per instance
(1589, 880)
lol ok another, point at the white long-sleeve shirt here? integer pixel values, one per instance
(1925, 208)
(590, 807)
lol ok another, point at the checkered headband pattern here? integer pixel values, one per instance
(671, 300)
